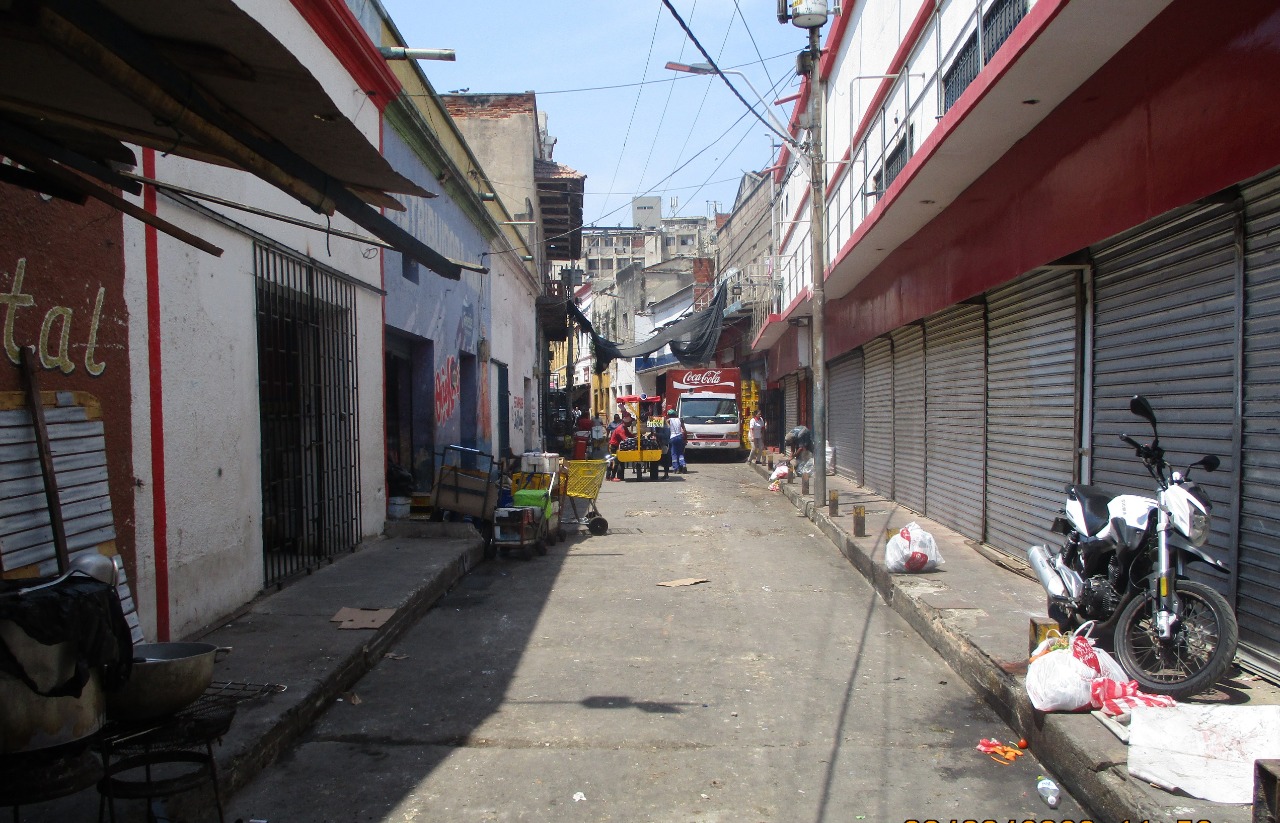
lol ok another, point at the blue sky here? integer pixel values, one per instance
(617, 113)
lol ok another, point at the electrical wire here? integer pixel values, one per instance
(653, 36)
(788, 138)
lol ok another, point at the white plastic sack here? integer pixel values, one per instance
(912, 549)
(1063, 669)
(1205, 751)
(780, 472)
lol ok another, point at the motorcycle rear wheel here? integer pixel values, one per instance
(1201, 650)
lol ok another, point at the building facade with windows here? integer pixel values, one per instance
(1036, 210)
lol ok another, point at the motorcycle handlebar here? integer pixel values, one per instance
(1126, 438)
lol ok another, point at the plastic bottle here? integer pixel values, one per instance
(1048, 791)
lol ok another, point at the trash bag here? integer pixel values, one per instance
(781, 472)
(805, 467)
(913, 550)
(1063, 668)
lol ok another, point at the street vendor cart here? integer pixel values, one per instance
(532, 521)
(647, 450)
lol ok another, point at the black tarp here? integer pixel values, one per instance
(692, 338)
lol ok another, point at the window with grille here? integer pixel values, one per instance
(997, 24)
(894, 162)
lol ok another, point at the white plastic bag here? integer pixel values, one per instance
(912, 549)
(1063, 669)
(780, 472)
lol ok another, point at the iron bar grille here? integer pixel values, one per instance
(997, 24)
(308, 397)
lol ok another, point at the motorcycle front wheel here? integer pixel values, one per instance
(1200, 651)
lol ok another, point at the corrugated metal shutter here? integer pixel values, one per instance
(844, 415)
(791, 401)
(1258, 586)
(877, 416)
(1032, 385)
(1165, 326)
(956, 403)
(908, 416)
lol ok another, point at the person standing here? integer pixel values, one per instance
(675, 426)
(614, 470)
(755, 435)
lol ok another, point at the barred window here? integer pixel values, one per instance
(997, 24)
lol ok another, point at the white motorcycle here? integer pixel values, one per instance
(1123, 565)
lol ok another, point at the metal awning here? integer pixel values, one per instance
(203, 80)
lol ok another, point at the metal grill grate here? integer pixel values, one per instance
(997, 24)
(307, 387)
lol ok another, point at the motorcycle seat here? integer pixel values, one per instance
(1093, 501)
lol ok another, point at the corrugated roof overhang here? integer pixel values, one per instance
(204, 81)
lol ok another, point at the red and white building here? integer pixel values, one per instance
(1036, 209)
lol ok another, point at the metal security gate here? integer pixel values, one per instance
(307, 391)
(1165, 326)
(1033, 378)
(791, 402)
(844, 415)
(955, 428)
(877, 416)
(908, 416)
(1258, 563)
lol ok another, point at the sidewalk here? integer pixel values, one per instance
(287, 638)
(976, 611)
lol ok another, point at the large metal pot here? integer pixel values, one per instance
(28, 721)
(166, 678)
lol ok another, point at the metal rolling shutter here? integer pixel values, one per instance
(1166, 326)
(791, 402)
(1032, 385)
(877, 416)
(956, 405)
(1258, 564)
(844, 415)
(908, 416)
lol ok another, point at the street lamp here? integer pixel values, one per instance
(707, 68)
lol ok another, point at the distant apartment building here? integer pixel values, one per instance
(651, 240)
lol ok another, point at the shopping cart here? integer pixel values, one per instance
(585, 479)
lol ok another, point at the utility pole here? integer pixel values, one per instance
(817, 232)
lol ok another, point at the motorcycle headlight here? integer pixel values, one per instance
(1199, 527)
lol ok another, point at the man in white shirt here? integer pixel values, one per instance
(756, 437)
(676, 427)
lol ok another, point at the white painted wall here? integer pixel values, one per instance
(514, 341)
(208, 335)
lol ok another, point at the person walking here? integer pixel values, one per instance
(675, 426)
(755, 435)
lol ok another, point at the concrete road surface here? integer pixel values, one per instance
(574, 687)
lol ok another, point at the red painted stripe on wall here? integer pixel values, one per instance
(342, 33)
(160, 515)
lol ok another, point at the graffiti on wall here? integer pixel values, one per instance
(54, 342)
(517, 412)
(448, 389)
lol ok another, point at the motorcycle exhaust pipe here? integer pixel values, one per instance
(1038, 557)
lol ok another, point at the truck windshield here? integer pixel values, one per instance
(709, 408)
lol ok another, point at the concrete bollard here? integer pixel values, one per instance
(804, 485)
(833, 503)
(770, 462)
(859, 521)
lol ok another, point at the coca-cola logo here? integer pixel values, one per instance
(705, 378)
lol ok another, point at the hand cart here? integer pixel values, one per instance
(585, 479)
(466, 485)
(532, 522)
